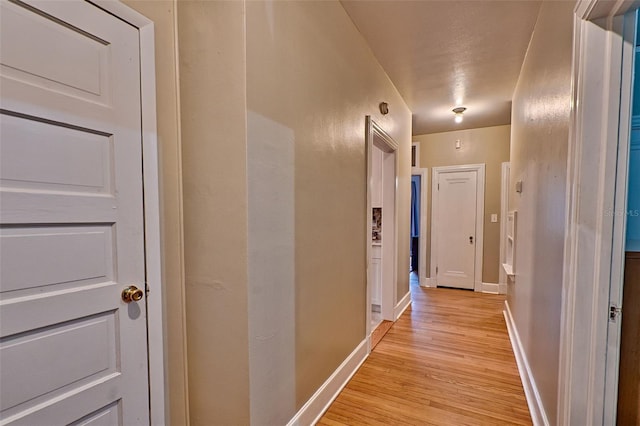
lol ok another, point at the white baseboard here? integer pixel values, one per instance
(315, 407)
(427, 282)
(538, 414)
(402, 306)
(493, 288)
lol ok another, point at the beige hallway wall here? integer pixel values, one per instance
(211, 38)
(311, 80)
(540, 137)
(488, 145)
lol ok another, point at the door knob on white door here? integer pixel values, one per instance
(471, 240)
(132, 294)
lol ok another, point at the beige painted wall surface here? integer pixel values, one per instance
(540, 134)
(212, 98)
(162, 13)
(488, 145)
(311, 77)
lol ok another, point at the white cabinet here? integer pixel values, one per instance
(376, 274)
(376, 177)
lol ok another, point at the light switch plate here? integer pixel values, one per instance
(494, 218)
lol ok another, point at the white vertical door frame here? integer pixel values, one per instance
(389, 264)
(417, 146)
(480, 170)
(153, 259)
(422, 249)
(594, 236)
(372, 131)
(504, 208)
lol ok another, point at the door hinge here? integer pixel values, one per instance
(438, 187)
(614, 312)
(436, 270)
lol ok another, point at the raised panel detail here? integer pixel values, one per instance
(48, 256)
(107, 416)
(51, 55)
(42, 156)
(56, 359)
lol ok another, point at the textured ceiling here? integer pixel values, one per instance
(443, 54)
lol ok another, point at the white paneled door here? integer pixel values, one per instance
(456, 228)
(72, 350)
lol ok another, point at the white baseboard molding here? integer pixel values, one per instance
(402, 306)
(427, 282)
(494, 288)
(315, 407)
(538, 414)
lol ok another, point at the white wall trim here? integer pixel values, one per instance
(314, 408)
(155, 299)
(402, 306)
(417, 146)
(428, 283)
(504, 208)
(538, 414)
(422, 250)
(494, 288)
(480, 169)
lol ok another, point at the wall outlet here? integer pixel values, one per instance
(494, 218)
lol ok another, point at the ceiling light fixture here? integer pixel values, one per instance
(458, 112)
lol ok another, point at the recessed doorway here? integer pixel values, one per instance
(382, 167)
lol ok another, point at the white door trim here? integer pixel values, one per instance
(415, 145)
(480, 169)
(372, 130)
(504, 208)
(599, 132)
(153, 259)
(422, 249)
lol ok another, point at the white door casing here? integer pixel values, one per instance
(504, 208)
(71, 210)
(457, 226)
(375, 134)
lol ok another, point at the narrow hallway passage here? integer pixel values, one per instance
(446, 361)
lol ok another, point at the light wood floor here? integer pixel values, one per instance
(446, 361)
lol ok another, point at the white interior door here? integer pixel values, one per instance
(71, 217)
(456, 228)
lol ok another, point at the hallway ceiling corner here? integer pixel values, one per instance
(447, 53)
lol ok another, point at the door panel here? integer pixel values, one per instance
(456, 229)
(71, 217)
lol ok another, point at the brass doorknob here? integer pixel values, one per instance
(132, 294)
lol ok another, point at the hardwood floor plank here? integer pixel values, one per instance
(446, 361)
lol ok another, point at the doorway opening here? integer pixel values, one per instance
(628, 327)
(418, 230)
(382, 169)
(600, 178)
(414, 249)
